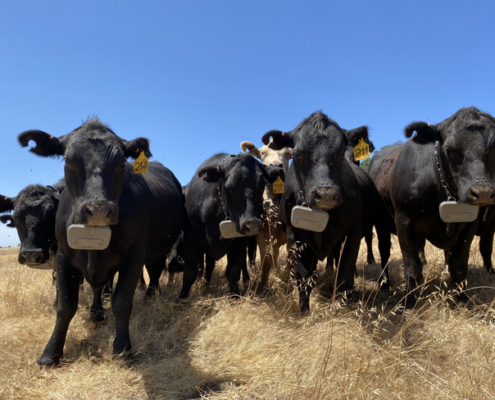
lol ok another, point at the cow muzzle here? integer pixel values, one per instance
(481, 195)
(326, 198)
(251, 226)
(31, 257)
(100, 213)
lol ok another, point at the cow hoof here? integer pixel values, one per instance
(125, 357)
(47, 362)
(384, 286)
(180, 300)
(489, 270)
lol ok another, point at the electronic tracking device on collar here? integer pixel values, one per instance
(228, 230)
(306, 218)
(453, 211)
(85, 237)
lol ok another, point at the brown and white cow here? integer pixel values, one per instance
(273, 231)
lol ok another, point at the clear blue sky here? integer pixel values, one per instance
(199, 77)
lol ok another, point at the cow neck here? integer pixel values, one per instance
(221, 191)
(440, 171)
(300, 186)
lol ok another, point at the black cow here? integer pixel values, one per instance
(144, 213)
(321, 177)
(34, 218)
(224, 186)
(464, 148)
(380, 171)
(374, 211)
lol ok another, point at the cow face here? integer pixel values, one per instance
(242, 180)
(318, 147)
(467, 153)
(95, 162)
(268, 156)
(34, 218)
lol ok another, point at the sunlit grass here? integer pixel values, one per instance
(258, 347)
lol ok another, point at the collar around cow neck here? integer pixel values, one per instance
(440, 172)
(220, 190)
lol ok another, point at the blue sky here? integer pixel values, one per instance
(199, 77)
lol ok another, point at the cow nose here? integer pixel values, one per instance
(99, 213)
(251, 227)
(31, 257)
(327, 198)
(481, 195)
(280, 165)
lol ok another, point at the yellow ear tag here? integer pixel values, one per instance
(141, 164)
(278, 186)
(361, 151)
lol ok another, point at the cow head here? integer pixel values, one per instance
(34, 218)
(467, 153)
(242, 180)
(268, 156)
(318, 148)
(354, 136)
(95, 163)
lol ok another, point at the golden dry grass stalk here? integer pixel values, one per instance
(258, 347)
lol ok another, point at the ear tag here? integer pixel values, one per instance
(361, 150)
(141, 164)
(278, 186)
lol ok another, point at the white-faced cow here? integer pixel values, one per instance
(271, 235)
(144, 213)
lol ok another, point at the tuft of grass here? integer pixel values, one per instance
(259, 347)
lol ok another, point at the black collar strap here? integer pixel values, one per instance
(440, 172)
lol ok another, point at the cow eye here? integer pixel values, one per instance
(298, 157)
(229, 189)
(451, 153)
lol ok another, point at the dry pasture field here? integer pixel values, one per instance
(258, 347)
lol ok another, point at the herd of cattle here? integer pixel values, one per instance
(151, 216)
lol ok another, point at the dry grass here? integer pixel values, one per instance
(258, 347)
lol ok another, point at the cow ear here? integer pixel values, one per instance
(6, 204)
(134, 147)
(356, 134)
(210, 174)
(252, 149)
(46, 145)
(280, 139)
(8, 219)
(271, 173)
(423, 130)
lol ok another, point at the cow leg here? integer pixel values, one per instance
(261, 241)
(122, 302)
(201, 264)
(154, 272)
(459, 257)
(347, 268)
(191, 263)
(486, 248)
(384, 245)
(68, 283)
(410, 245)
(236, 258)
(422, 245)
(304, 267)
(97, 313)
(108, 288)
(251, 253)
(210, 266)
(369, 244)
